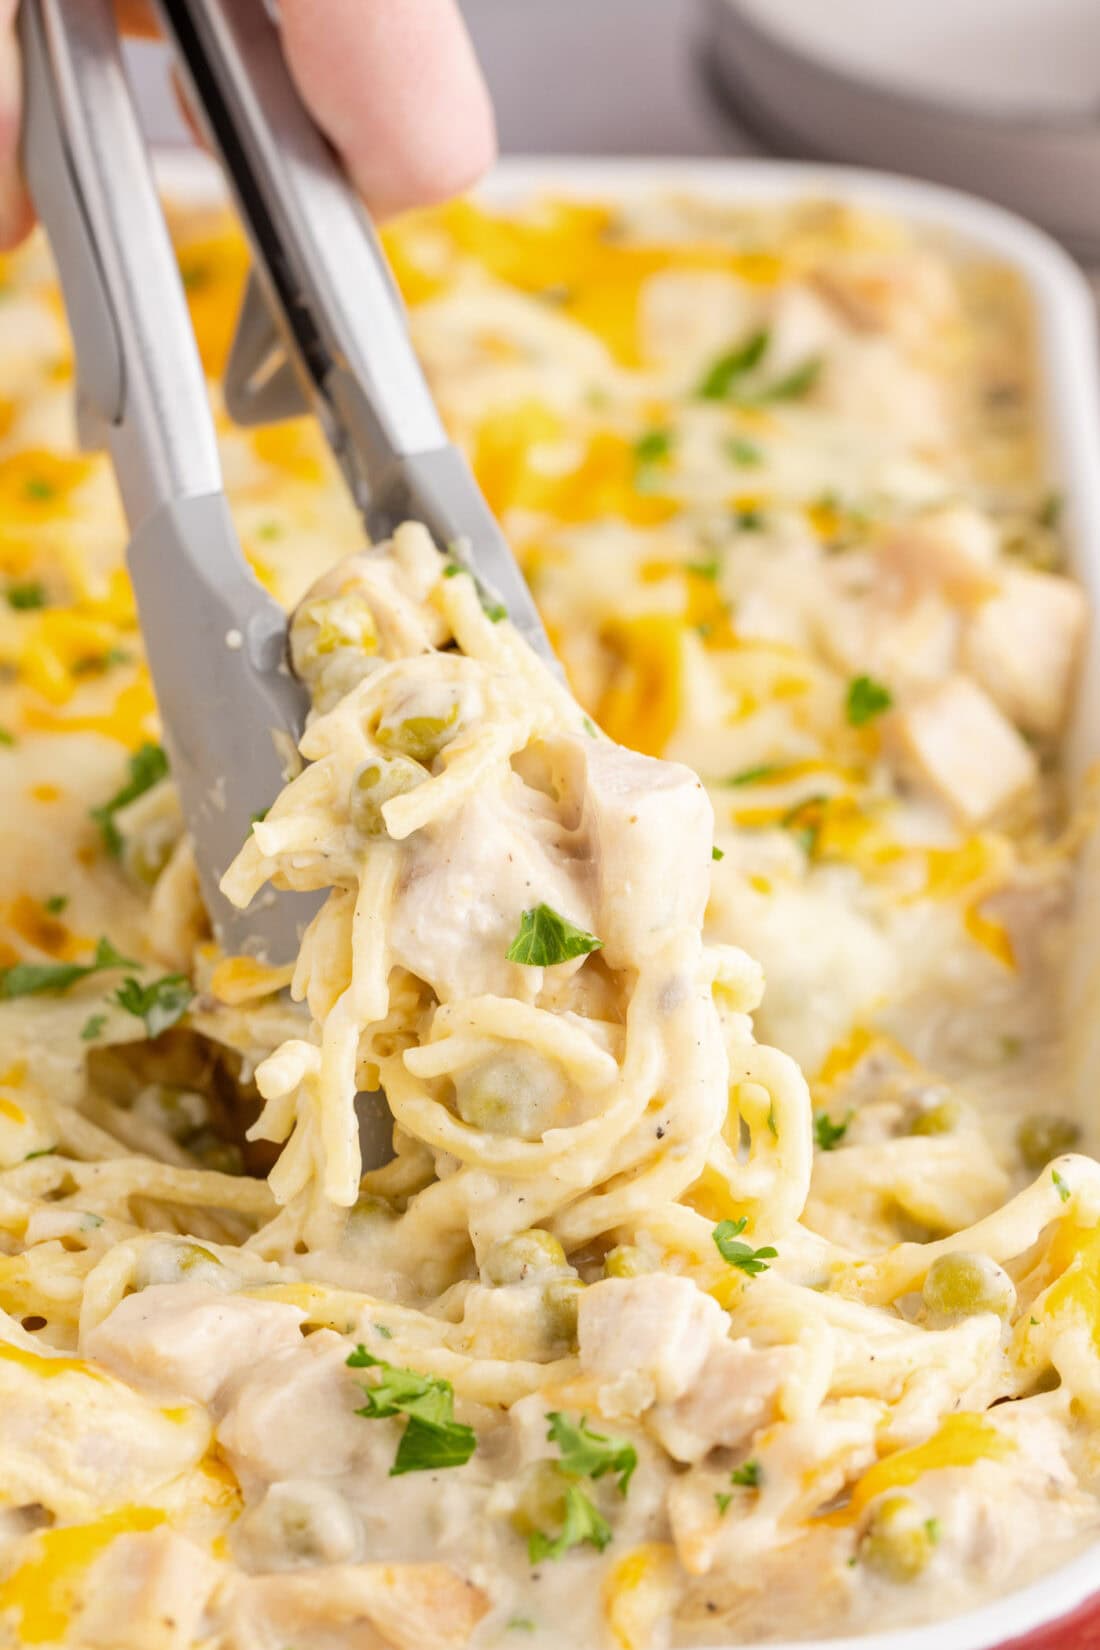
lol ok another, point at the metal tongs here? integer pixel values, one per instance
(321, 330)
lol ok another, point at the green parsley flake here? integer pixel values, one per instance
(742, 1255)
(1060, 1186)
(39, 488)
(749, 521)
(744, 453)
(590, 727)
(92, 1027)
(545, 938)
(717, 853)
(723, 1499)
(827, 1134)
(6, 738)
(148, 766)
(582, 1523)
(432, 1437)
(703, 569)
(1049, 513)
(795, 384)
(724, 374)
(804, 821)
(752, 776)
(55, 904)
(520, 1624)
(866, 700)
(747, 1475)
(27, 596)
(159, 1004)
(653, 447)
(33, 979)
(588, 1454)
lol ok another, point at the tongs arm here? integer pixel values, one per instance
(334, 321)
(215, 640)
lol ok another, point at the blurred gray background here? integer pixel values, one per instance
(567, 77)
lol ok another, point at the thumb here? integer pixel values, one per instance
(395, 86)
(16, 215)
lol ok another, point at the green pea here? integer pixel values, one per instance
(331, 622)
(421, 737)
(509, 1095)
(961, 1285)
(1044, 1136)
(215, 1153)
(899, 1539)
(561, 1299)
(943, 1118)
(374, 784)
(626, 1261)
(527, 1254)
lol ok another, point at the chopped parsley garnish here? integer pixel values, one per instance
(27, 596)
(590, 727)
(545, 938)
(159, 1004)
(827, 1134)
(432, 1437)
(703, 569)
(743, 452)
(751, 776)
(723, 375)
(259, 816)
(148, 766)
(582, 1522)
(723, 1498)
(748, 521)
(39, 487)
(1049, 513)
(520, 1624)
(6, 738)
(742, 1255)
(724, 379)
(747, 1475)
(866, 700)
(588, 1454)
(717, 853)
(653, 447)
(805, 820)
(92, 1027)
(380, 1329)
(33, 979)
(1060, 1186)
(795, 384)
(55, 904)
(493, 611)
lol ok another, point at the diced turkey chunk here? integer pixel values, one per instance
(355, 1607)
(659, 1326)
(147, 1592)
(287, 1417)
(187, 1339)
(955, 743)
(1022, 644)
(953, 550)
(733, 1394)
(650, 826)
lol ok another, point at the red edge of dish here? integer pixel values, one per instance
(1078, 1631)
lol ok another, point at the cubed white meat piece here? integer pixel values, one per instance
(731, 1397)
(953, 549)
(955, 743)
(659, 1326)
(147, 1592)
(1022, 645)
(354, 1606)
(291, 1415)
(187, 1339)
(649, 825)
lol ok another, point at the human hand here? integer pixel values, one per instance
(393, 84)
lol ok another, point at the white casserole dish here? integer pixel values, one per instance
(1066, 341)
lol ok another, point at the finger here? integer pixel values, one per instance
(136, 17)
(395, 86)
(16, 215)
